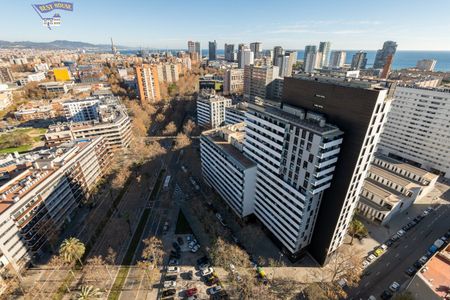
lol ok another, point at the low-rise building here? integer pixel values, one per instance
(391, 187)
(56, 87)
(211, 109)
(40, 199)
(226, 169)
(42, 112)
(210, 81)
(6, 99)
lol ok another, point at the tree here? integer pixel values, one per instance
(170, 129)
(188, 127)
(96, 262)
(153, 251)
(314, 292)
(355, 228)
(182, 141)
(88, 292)
(223, 254)
(72, 250)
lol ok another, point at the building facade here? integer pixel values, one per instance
(258, 80)
(211, 109)
(236, 113)
(333, 97)
(385, 55)
(324, 48)
(337, 59)
(417, 128)
(37, 202)
(212, 50)
(359, 61)
(226, 169)
(295, 151)
(233, 81)
(148, 83)
(426, 65)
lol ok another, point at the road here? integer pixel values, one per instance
(401, 255)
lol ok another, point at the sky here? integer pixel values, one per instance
(348, 24)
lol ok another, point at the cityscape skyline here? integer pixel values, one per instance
(333, 22)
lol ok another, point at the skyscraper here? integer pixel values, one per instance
(324, 48)
(310, 58)
(381, 59)
(229, 52)
(426, 64)
(191, 46)
(212, 50)
(198, 50)
(286, 62)
(258, 80)
(256, 48)
(148, 83)
(337, 59)
(277, 51)
(359, 60)
(194, 47)
(331, 97)
(246, 57)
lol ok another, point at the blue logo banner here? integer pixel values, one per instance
(45, 8)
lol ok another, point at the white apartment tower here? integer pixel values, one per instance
(418, 128)
(295, 152)
(211, 109)
(337, 59)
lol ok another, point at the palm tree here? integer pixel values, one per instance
(88, 292)
(72, 250)
(356, 227)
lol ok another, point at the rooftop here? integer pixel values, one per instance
(360, 83)
(437, 272)
(391, 176)
(407, 167)
(380, 191)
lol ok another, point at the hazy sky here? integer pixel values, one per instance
(348, 24)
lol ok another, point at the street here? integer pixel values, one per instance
(402, 254)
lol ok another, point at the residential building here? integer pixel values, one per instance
(227, 169)
(148, 83)
(418, 128)
(229, 52)
(233, 81)
(212, 50)
(168, 72)
(337, 59)
(359, 61)
(385, 55)
(112, 123)
(310, 59)
(79, 110)
(332, 97)
(41, 67)
(324, 48)
(426, 64)
(194, 47)
(6, 99)
(211, 81)
(211, 109)
(391, 187)
(191, 46)
(246, 58)
(40, 199)
(257, 81)
(43, 112)
(236, 113)
(286, 62)
(277, 51)
(256, 48)
(57, 87)
(433, 279)
(6, 75)
(295, 151)
(62, 74)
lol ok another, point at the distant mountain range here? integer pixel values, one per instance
(58, 44)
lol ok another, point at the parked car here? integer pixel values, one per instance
(365, 263)
(203, 266)
(219, 217)
(395, 237)
(168, 293)
(384, 247)
(371, 257)
(191, 292)
(207, 271)
(386, 295)
(395, 286)
(401, 232)
(411, 271)
(166, 227)
(170, 284)
(215, 290)
(170, 277)
(378, 252)
(202, 260)
(389, 243)
(173, 262)
(180, 240)
(195, 248)
(173, 269)
(189, 275)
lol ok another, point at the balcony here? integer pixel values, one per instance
(326, 162)
(329, 153)
(316, 182)
(331, 143)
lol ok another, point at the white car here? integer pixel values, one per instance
(207, 271)
(232, 268)
(170, 284)
(400, 232)
(219, 217)
(215, 290)
(384, 247)
(371, 257)
(173, 270)
(394, 286)
(203, 267)
(173, 261)
(365, 263)
(195, 248)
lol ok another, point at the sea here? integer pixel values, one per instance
(402, 59)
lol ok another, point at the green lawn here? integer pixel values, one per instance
(19, 149)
